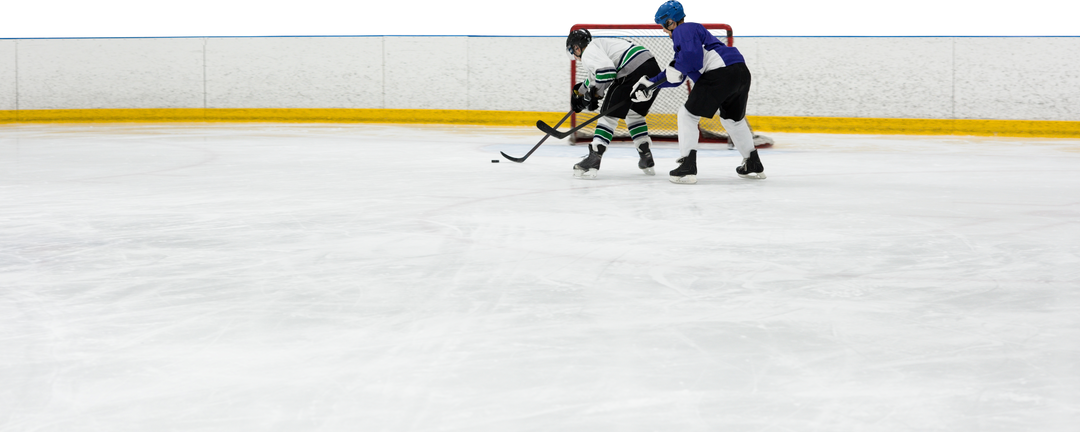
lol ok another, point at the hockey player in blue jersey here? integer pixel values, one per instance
(721, 83)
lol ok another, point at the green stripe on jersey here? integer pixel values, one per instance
(606, 76)
(630, 54)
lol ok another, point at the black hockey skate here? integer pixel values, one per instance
(686, 173)
(751, 167)
(646, 163)
(590, 166)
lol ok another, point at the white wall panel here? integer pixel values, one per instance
(7, 75)
(110, 73)
(294, 72)
(426, 73)
(1018, 78)
(518, 74)
(850, 77)
(1035, 78)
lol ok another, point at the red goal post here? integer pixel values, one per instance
(729, 35)
(662, 120)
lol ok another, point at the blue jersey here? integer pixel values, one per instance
(697, 51)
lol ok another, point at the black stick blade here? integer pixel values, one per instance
(545, 128)
(538, 123)
(513, 159)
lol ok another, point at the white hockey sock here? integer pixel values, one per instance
(688, 131)
(739, 133)
(639, 130)
(605, 129)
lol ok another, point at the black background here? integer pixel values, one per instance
(532, 17)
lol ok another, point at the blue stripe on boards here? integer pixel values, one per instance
(352, 35)
(499, 36)
(907, 35)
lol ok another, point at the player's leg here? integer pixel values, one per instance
(702, 102)
(635, 117)
(743, 139)
(686, 172)
(733, 118)
(639, 132)
(605, 130)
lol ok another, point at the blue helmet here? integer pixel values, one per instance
(670, 10)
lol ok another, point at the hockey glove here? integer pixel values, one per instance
(586, 97)
(578, 103)
(673, 75)
(641, 90)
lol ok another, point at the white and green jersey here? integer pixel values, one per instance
(608, 59)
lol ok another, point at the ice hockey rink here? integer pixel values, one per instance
(295, 277)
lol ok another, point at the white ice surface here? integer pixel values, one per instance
(390, 278)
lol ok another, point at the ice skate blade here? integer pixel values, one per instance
(649, 171)
(587, 175)
(753, 176)
(687, 179)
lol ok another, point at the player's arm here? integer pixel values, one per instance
(662, 78)
(644, 88)
(603, 70)
(689, 52)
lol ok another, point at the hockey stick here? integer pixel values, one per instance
(522, 159)
(560, 135)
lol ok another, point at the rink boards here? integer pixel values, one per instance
(806, 84)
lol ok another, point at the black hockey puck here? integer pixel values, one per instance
(494, 161)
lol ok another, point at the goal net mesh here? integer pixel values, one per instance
(662, 117)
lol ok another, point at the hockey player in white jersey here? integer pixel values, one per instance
(722, 83)
(612, 67)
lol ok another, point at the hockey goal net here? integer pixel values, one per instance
(662, 118)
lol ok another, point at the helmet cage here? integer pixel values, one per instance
(579, 38)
